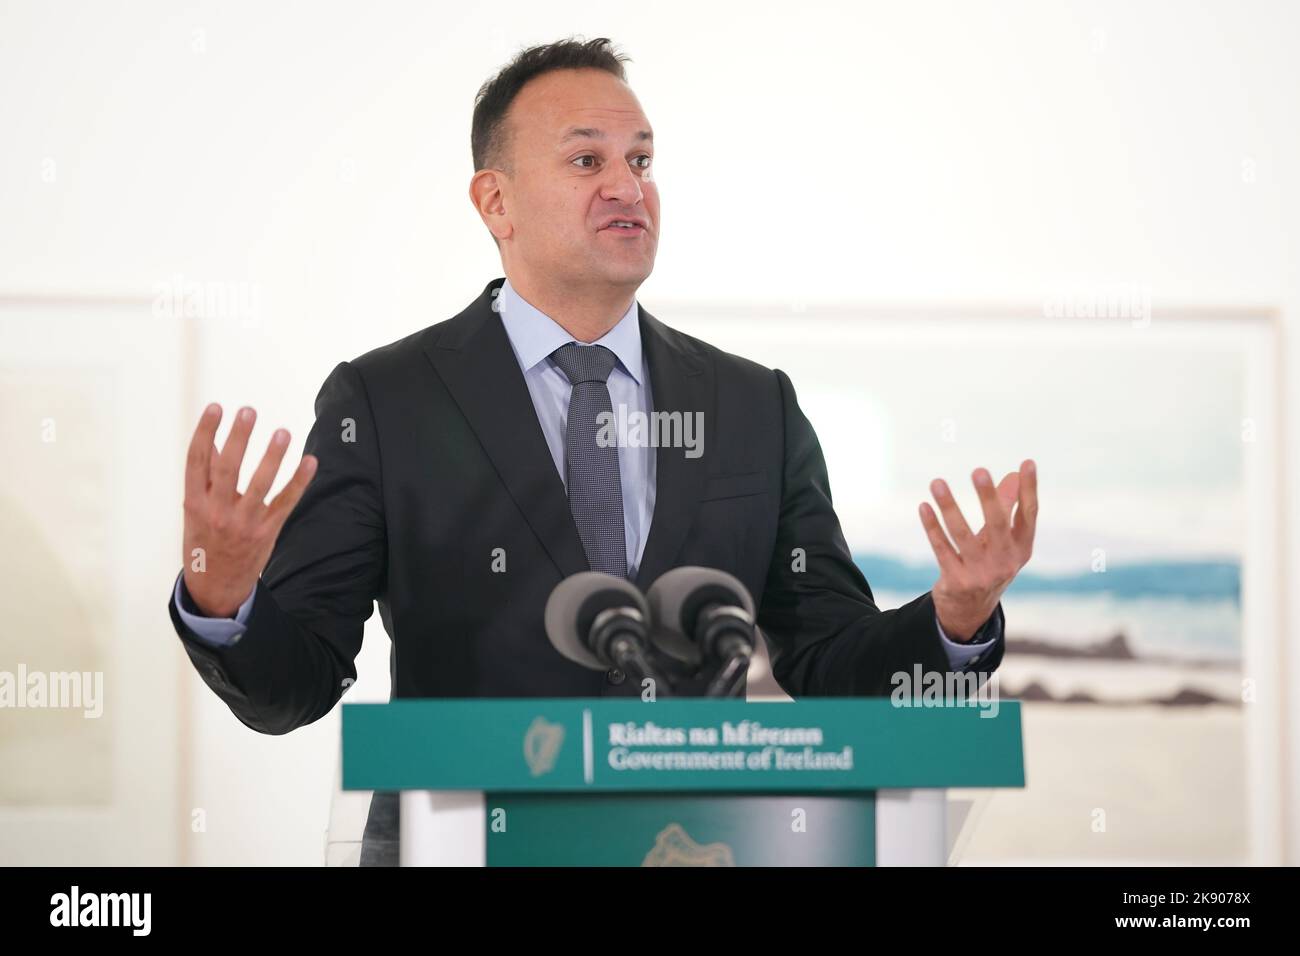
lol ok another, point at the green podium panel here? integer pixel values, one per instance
(576, 744)
(680, 782)
(728, 829)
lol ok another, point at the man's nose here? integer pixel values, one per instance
(623, 184)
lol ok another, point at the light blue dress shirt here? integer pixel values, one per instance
(534, 336)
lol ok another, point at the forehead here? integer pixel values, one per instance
(553, 105)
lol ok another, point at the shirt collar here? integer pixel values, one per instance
(534, 335)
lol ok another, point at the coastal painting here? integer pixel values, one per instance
(1126, 633)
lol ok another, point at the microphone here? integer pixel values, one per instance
(716, 613)
(601, 621)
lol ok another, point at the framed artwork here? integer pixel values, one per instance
(1144, 636)
(92, 705)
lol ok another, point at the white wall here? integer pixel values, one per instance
(870, 153)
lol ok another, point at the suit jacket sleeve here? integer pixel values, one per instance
(296, 657)
(825, 634)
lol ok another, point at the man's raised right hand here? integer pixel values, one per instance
(229, 536)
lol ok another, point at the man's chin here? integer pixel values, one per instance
(626, 273)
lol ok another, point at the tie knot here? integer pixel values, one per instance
(585, 363)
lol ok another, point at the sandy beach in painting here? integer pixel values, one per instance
(1165, 781)
(1171, 782)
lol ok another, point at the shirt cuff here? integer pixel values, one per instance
(961, 656)
(221, 631)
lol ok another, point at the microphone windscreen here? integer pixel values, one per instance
(669, 595)
(573, 598)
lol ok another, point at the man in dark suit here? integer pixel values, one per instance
(453, 475)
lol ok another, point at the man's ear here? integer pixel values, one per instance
(487, 193)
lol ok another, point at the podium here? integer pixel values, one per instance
(681, 781)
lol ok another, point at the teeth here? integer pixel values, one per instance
(624, 225)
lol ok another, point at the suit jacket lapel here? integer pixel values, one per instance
(473, 356)
(679, 382)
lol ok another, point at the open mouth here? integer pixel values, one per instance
(624, 229)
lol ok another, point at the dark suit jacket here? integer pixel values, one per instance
(431, 457)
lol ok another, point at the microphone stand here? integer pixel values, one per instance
(726, 633)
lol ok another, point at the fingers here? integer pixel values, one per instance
(949, 559)
(225, 471)
(1008, 490)
(283, 503)
(952, 516)
(198, 459)
(996, 519)
(1027, 513)
(267, 469)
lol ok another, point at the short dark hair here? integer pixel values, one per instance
(488, 138)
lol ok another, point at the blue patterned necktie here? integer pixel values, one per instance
(595, 492)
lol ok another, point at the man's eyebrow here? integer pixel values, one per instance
(587, 132)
